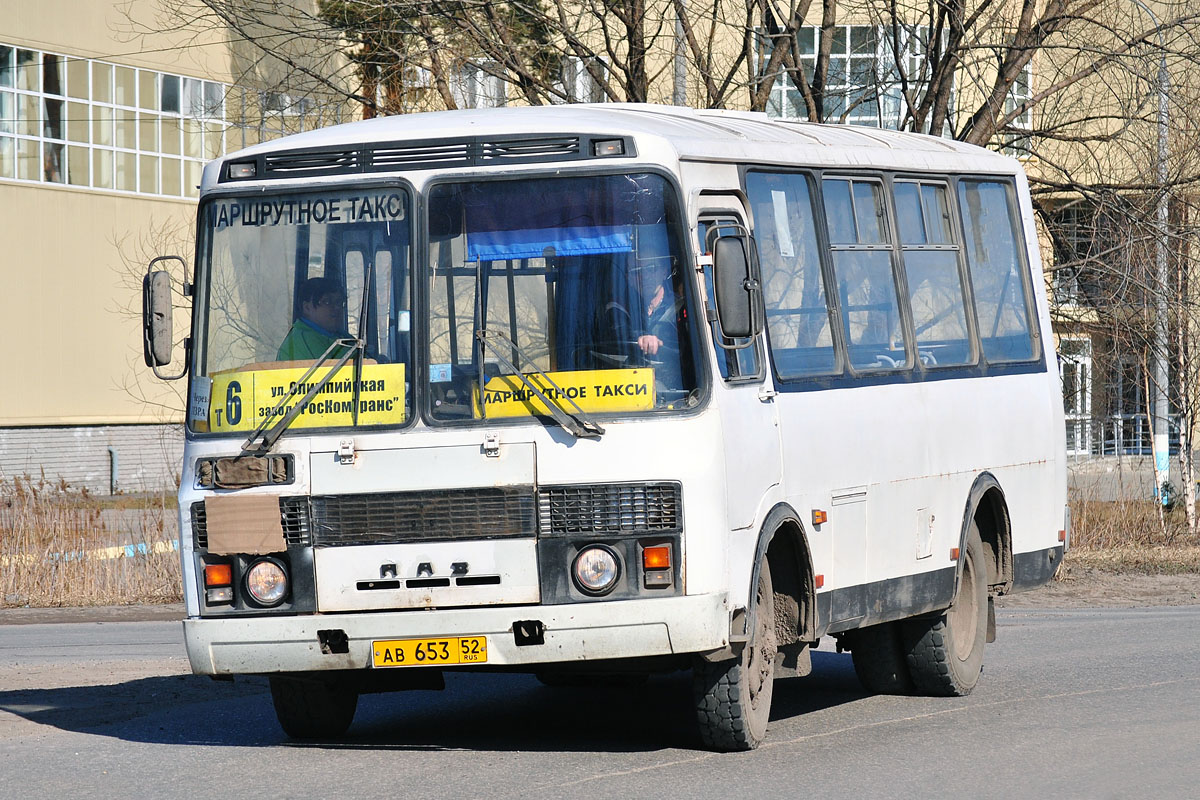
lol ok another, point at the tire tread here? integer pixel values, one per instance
(879, 659)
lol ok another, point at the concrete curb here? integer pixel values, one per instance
(166, 612)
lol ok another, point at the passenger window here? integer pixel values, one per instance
(733, 364)
(931, 263)
(797, 314)
(1001, 303)
(862, 266)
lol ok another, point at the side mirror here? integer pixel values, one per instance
(735, 283)
(157, 326)
(156, 318)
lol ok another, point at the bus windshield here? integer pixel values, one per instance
(576, 283)
(295, 280)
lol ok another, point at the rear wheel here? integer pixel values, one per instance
(879, 658)
(945, 652)
(313, 708)
(733, 697)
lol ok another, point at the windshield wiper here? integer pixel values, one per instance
(355, 348)
(577, 422)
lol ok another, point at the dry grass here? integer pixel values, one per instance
(55, 544)
(1127, 536)
(60, 547)
(1155, 560)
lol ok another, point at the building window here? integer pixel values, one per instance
(474, 86)
(94, 124)
(1075, 368)
(863, 84)
(577, 83)
(1016, 141)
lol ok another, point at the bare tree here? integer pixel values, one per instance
(1069, 85)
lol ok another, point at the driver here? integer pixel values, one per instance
(322, 316)
(652, 289)
(645, 320)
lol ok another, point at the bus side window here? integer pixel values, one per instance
(744, 363)
(862, 266)
(1001, 299)
(799, 327)
(931, 264)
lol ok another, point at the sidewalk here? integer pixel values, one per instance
(165, 612)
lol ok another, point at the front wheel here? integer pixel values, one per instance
(945, 652)
(733, 697)
(313, 708)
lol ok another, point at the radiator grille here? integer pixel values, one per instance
(490, 513)
(610, 508)
(486, 513)
(293, 514)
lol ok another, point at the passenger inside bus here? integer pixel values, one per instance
(320, 323)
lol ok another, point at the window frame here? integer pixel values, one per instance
(421, 300)
(1021, 246)
(957, 245)
(832, 301)
(846, 376)
(890, 244)
(171, 133)
(202, 277)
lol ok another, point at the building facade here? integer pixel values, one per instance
(106, 120)
(103, 136)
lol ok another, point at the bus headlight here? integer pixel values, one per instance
(266, 582)
(596, 570)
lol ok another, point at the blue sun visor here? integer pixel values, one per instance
(504, 245)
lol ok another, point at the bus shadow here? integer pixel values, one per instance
(175, 709)
(482, 712)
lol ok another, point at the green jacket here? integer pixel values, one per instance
(306, 342)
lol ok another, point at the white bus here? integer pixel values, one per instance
(609, 390)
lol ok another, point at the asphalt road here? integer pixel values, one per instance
(1089, 704)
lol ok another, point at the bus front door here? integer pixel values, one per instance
(745, 393)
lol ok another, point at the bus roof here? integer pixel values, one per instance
(661, 133)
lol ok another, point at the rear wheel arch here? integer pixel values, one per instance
(987, 506)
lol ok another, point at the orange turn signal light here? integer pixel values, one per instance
(1062, 536)
(818, 581)
(218, 574)
(656, 558)
(819, 517)
(954, 554)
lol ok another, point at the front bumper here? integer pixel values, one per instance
(574, 632)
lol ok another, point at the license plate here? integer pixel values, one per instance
(429, 652)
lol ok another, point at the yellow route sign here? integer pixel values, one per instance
(241, 401)
(600, 390)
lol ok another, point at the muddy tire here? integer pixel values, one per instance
(945, 652)
(733, 697)
(880, 659)
(313, 708)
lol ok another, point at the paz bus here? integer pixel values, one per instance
(609, 390)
